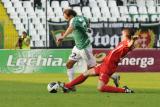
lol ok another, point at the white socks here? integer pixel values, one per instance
(70, 73)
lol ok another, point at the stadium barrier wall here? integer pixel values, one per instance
(54, 60)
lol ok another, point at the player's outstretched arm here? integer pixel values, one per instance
(68, 31)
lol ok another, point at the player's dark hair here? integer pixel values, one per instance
(130, 32)
(70, 12)
(24, 32)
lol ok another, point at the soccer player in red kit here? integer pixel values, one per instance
(108, 67)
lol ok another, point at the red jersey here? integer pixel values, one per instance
(111, 61)
(119, 52)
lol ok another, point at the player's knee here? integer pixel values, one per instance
(69, 65)
(86, 73)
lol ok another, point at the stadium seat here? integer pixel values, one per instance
(19, 10)
(59, 13)
(102, 3)
(34, 34)
(10, 10)
(64, 4)
(26, 4)
(114, 12)
(112, 3)
(92, 3)
(40, 13)
(17, 4)
(152, 10)
(55, 4)
(124, 13)
(44, 4)
(133, 13)
(13, 15)
(141, 3)
(8, 4)
(5, 1)
(96, 13)
(152, 13)
(150, 3)
(38, 43)
(142, 10)
(143, 13)
(105, 13)
(86, 12)
(78, 10)
(158, 9)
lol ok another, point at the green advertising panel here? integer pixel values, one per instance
(28, 61)
(1, 36)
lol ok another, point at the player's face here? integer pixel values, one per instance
(124, 34)
(66, 17)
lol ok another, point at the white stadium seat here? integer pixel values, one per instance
(112, 3)
(96, 12)
(105, 14)
(92, 3)
(55, 4)
(150, 3)
(114, 12)
(7, 4)
(141, 3)
(64, 4)
(10, 10)
(134, 13)
(102, 3)
(86, 12)
(5, 1)
(78, 10)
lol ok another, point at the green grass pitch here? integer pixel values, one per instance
(29, 90)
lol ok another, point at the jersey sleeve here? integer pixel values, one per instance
(87, 21)
(71, 24)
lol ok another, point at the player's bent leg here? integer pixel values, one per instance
(102, 87)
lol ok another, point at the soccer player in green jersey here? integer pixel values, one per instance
(78, 26)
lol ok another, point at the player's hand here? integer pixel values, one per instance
(59, 41)
(135, 37)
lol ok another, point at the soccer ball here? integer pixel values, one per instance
(53, 87)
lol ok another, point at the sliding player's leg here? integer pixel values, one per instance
(103, 87)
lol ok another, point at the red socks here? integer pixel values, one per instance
(112, 89)
(76, 81)
(81, 78)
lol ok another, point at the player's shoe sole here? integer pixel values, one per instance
(128, 90)
(64, 89)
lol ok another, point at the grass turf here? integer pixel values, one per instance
(29, 90)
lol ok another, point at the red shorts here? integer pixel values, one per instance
(104, 71)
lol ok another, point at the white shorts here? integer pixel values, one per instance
(85, 54)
